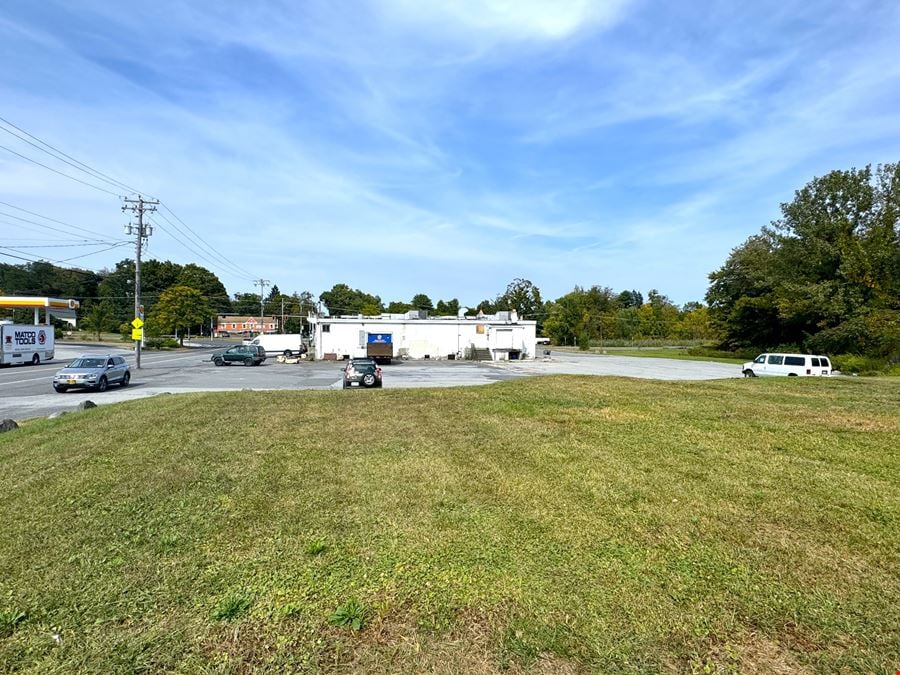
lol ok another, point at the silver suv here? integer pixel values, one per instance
(92, 371)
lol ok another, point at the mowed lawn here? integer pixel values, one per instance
(556, 524)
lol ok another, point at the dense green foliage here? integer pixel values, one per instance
(590, 316)
(179, 308)
(825, 277)
(578, 524)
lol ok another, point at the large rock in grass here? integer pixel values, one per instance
(85, 405)
(8, 425)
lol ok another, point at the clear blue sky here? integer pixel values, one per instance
(406, 146)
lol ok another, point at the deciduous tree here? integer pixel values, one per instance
(180, 308)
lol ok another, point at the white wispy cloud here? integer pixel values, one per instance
(458, 144)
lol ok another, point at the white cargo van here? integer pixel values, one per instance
(23, 343)
(799, 365)
(287, 344)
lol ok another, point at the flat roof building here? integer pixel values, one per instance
(414, 335)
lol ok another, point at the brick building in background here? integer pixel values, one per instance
(233, 323)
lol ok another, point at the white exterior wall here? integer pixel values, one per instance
(417, 338)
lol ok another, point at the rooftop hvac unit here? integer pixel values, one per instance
(503, 316)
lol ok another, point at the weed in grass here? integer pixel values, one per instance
(289, 611)
(9, 620)
(350, 614)
(315, 547)
(231, 607)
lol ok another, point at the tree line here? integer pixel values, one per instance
(580, 317)
(176, 298)
(825, 277)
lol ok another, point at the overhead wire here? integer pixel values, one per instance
(226, 264)
(81, 245)
(64, 175)
(233, 270)
(33, 260)
(50, 227)
(85, 255)
(237, 269)
(84, 168)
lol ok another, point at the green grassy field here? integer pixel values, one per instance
(558, 524)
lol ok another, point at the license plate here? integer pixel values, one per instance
(71, 382)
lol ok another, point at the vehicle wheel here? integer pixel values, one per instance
(101, 385)
(749, 373)
(248, 362)
(368, 380)
(288, 353)
(60, 388)
(219, 361)
(792, 374)
(126, 378)
(35, 360)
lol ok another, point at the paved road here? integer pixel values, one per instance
(25, 391)
(572, 363)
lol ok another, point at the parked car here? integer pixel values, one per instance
(249, 355)
(792, 365)
(92, 372)
(362, 373)
(224, 333)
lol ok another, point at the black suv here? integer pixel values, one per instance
(249, 355)
(362, 373)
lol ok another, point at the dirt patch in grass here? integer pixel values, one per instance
(399, 643)
(752, 655)
(861, 423)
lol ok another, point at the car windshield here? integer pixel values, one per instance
(87, 363)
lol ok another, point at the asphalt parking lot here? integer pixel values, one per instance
(26, 392)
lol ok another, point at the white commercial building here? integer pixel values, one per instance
(412, 335)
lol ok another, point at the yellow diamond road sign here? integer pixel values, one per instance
(137, 334)
(138, 322)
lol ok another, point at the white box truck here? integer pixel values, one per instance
(289, 344)
(21, 343)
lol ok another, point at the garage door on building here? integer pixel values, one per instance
(503, 338)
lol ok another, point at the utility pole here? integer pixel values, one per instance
(282, 315)
(141, 232)
(262, 283)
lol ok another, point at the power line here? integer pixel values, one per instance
(108, 248)
(45, 143)
(188, 232)
(200, 254)
(34, 213)
(38, 260)
(48, 227)
(81, 245)
(64, 175)
(237, 269)
(90, 172)
(48, 239)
